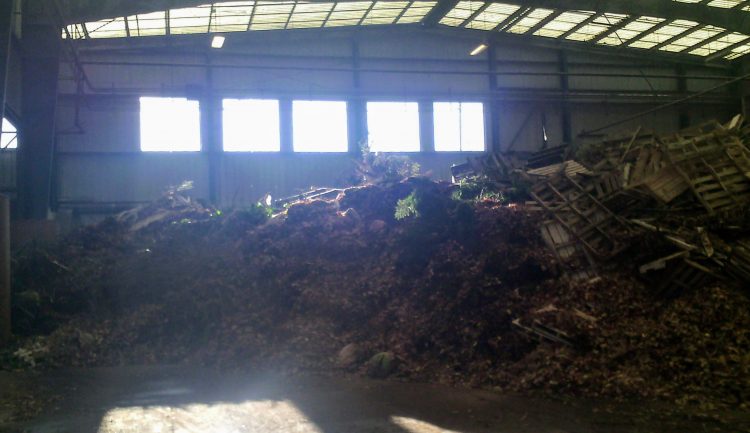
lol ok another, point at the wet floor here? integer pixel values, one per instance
(180, 400)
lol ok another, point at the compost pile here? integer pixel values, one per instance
(453, 291)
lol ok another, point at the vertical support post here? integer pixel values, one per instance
(426, 126)
(213, 137)
(567, 129)
(286, 120)
(682, 87)
(6, 29)
(5, 322)
(41, 65)
(356, 105)
(744, 89)
(493, 119)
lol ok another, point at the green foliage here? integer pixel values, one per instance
(407, 207)
(472, 190)
(384, 167)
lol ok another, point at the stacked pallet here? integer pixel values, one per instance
(691, 189)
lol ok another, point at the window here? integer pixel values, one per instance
(170, 125)
(459, 126)
(393, 126)
(9, 136)
(320, 126)
(251, 125)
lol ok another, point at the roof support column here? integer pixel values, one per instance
(682, 87)
(567, 129)
(356, 106)
(493, 121)
(41, 65)
(213, 137)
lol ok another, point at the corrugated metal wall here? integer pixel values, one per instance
(104, 164)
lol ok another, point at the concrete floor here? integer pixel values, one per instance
(179, 400)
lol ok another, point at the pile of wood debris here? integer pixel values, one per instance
(618, 279)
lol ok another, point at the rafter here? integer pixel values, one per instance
(730, 19)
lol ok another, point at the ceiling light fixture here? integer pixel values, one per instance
(218, 41)
(479, 49)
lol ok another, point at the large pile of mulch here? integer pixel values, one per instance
(343, 286)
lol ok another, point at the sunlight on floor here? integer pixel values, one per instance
(415, 426)
(250, 416)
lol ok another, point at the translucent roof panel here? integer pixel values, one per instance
(720, 44)
(114, 28)
(630, 31)
(463, 11)
(563, 23)
(724, 4)
(240, 16)
(530, 20)
(663, 34)
(738, 51)
(153, 24)
(693, 38)
(602, 28)
(600, 24)
(190, 20)
(232, 16)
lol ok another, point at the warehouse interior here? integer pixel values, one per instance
(399, 216)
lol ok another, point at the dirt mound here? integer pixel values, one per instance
(458, 292)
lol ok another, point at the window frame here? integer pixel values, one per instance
(485, 127)
(14, 142)
(294, 130)
(420, 133)
(279, 126)
(199, 125)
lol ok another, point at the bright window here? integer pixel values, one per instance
(320, 126)
(393, 126)
(170, 125)
(251, 125)
(459, 126)
(9, 136)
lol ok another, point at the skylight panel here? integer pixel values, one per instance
(114, 28)
(189, 20)
(692, 39)
(725, 4)
(153, 24)
(530, 20)
(416, 12)
(720, 44)
(491, 17)
(738, 52)
(669, 31)
(76, 32)
(463, 10)
(231, 16)
(630, 31)
(563, 23)
(384, 12)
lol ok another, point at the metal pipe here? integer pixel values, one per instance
(5, 307)
(395, 71)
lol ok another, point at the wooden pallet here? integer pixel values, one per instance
(582, 216)
(685, 275)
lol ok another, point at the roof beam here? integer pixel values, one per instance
(437, 13)
(730, 19)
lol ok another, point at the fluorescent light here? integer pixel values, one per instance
(218, 41)
(479, 49)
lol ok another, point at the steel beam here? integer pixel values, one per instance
(5, 297)
(41, 64)
(437, 13)
(731, 19)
